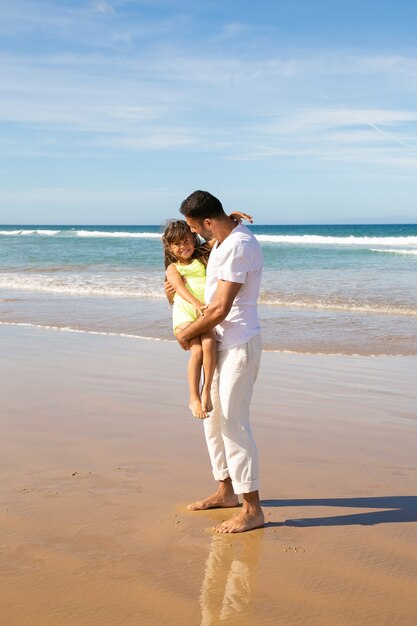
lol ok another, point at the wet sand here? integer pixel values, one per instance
(99, 458)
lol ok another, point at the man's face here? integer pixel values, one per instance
(201, 228)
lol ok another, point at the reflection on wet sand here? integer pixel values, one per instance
(230, 578)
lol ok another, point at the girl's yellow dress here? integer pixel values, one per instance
(183, 311)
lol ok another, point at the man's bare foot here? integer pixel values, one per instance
(216, 501)
(206, 400)
(196, 408)
(247, 519)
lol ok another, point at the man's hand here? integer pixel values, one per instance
(184, 343)
(214, 313)
(169, 291)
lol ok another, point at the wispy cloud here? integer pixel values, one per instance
(381, 137)
(101, 6)
(232, 29)
(252, 110)
(119, 77)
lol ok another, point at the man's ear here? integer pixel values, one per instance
(207, 223)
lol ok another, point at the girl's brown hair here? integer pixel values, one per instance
(175, 232)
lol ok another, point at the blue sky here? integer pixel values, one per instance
(113, 111)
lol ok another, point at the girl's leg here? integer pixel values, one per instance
(194, 375)
(209, 346)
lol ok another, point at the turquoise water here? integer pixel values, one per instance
(333, 289)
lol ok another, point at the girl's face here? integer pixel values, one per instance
(183, 250)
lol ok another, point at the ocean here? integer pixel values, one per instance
(326, 289)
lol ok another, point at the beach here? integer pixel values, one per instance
(100, 456)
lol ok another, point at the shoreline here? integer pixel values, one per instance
(67, 329)
(99, 457)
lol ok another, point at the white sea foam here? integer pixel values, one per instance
(140, 286)
(347, 307)
(27, 232)
(81, 286)
(102, 233)
(306, 240)
(69, 329)
(394, 251)
(339, 241)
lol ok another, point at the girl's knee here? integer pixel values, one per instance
(208, 340)
(196, 350)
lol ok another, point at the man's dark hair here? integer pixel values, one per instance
(201, 205)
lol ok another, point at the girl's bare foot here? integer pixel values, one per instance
(206, 400)
(196, 408)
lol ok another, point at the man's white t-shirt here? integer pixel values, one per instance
(238, 259)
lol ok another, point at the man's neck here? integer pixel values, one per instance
(222, 228)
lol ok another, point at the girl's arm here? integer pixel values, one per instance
(175, 279)
(238, 216)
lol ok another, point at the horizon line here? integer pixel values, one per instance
(43, 224)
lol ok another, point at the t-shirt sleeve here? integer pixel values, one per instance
(234, 266)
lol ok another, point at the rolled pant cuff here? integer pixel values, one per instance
(248, 487)
(221, 474)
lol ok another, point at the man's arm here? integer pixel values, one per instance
(215, 313)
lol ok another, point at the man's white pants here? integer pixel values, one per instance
(229, 438)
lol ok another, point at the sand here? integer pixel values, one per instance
(99, 457)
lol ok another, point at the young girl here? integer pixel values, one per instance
(186, 259)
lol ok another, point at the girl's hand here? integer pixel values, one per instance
(200, 307)
(238, 216)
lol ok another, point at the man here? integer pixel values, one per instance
(232, 288)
